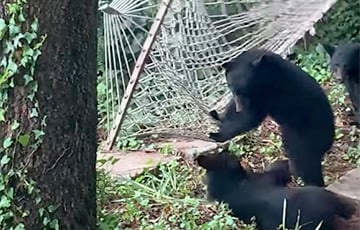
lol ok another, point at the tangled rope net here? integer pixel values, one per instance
(182, 79)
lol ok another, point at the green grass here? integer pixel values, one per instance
(168, 198)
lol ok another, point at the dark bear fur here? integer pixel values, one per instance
(280, 170)
(266, 84)
(345, 65)
(260, 195)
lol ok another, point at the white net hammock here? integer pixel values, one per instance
(182, 78)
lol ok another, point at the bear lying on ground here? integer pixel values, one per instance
(260, 195)
(280, 170)
(345, 65)
(263, 83)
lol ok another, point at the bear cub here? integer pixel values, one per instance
(261, 195)
(345, 66)
(264, 84)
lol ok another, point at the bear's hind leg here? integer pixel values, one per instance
(310, 170)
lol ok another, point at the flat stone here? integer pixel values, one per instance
(131, 163)
(348, 185)
(191, 147)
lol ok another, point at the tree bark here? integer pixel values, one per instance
(64, 165)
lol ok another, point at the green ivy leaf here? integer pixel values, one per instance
(24, 61)
(46, 221)
(7, 142)
(2, 114)
(15, 125)
(37, 201)
(12, 66)
(10, 193)
(31, 96)
(13, 30)
(54, 224)
(52, 208)
(3, 62)
(4, 160)
(20, 227)
(13, 8)
(43, 121)
(16, 40)
(9, 47)
(36, 54)
(24, 140)
(28, 79)
(2, 24)
(3, 28)
(28, 51)
(4, 202)
(34, 113)
(30, 37)
(35, 25)
(11, 83)
(21, 17)
(41, 212)
(38, 133)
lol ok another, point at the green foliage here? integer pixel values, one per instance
(353, 152)
(315, 62)
(353, 155)
(340, 23)
(235, 148)
(337, 95)
(244, 144)
(20, 45)
(168, 149)
(274, 145)
(130, 143)
(102, 105)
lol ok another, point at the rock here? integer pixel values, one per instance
(348, 185)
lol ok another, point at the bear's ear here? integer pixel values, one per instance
(220, 162)
(329, 49)
(259, 60)
(208, 162)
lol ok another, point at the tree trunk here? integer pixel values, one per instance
(64, 164)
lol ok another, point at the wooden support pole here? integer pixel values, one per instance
(139, 66)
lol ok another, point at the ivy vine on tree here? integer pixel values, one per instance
(20, 44)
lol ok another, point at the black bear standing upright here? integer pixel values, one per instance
(345, 64)
(261, 195)
(263, 83)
